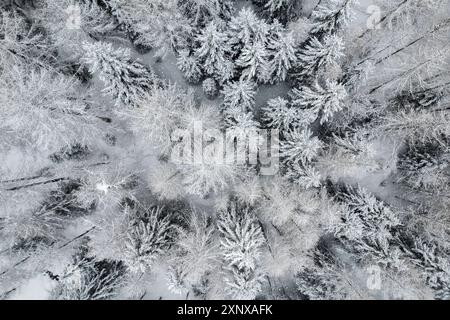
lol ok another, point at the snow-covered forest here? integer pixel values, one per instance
(333, 117)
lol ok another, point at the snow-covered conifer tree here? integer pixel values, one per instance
(254, 61)
(241, 243)
(19, 42)
(202, 11)
(242, 237)
(247, 28)
(72, 23)
(89, 279)
(424, 165)
(149, 235)
(213, 48)
(126, 80)
(300, 146)
(244, 285)
(283, 10)
(434, 265)
(322, 101)
(368, 227)
(280, 114)
(331, 15)
(189, 65)
(196, 249)
(282, 48)
(44, 108)
(318, 55)
(239, 95)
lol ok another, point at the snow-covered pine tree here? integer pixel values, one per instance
(213, 48)
(254, 59)
(148, 20)
(195, 249)
(189, 65)
(19, 42)
(245, 29)
(149, 235)
(126, 80)
(316, 56)
(240, 124)
(304, 175)
(297, 150)
(368, 228)
(282, 10)
(322, 101)
(324, 280)
(300, 146)
(45, 109)
(331, 15)
(264, 51)
(158, 24)
(434, 265)
(130, 15)
(245, 284)
(239, 95)
(202, 11)
(241, 243)
(242, 238)
(282, 48)
(88, 278)
(280, 114)
(70, 23)
(425, 165)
